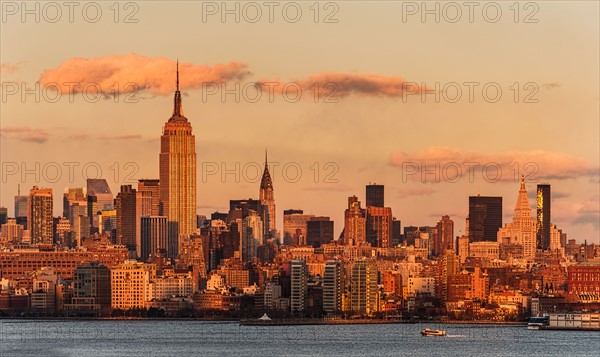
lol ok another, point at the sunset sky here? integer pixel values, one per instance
(377, 124)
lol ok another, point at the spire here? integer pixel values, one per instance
(177, 109)
(266, 181)
(522, 182)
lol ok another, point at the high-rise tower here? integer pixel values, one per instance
(543, 216)
(522, 229)
(178, 174)
(267, 200)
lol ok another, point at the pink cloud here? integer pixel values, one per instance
(536, 165)
(9, 68)
(133, 73)
(24, 133)
(340, 84)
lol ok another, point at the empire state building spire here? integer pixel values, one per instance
(177, 109)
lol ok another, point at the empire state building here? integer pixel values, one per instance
(178, 175)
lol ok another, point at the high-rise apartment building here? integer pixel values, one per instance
(363, 287)
(333, 286)
(299, 285)
(39, 218)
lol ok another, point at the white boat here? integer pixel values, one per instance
(430, 332)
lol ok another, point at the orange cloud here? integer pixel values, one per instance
(535, 165)
(9, 68)
(24, 133)
(133, 73)
(340, 84)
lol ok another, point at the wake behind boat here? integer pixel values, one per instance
(430, 332)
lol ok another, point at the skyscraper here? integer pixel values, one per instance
(39, 218)
(147, 204)
(375, 195)
(125, 205)
(319, 230)
(354, 223)
(99, 198)
(252, 235)
(444, 239)
(178, 173)
(542, 228)
(333, 286)
(71, 195)
(379, 226)
(21, 209)
(267, 200)
(154, 236)
(3, 215)
(522, 229)
(299, 285)
(363, 285)
(485, 218)
(294, 226)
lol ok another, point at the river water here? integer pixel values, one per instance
(201, 338)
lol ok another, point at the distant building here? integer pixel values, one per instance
(355, 223)
(522, 230)
(363, 287)
(252, 236)
(542, 228)
(319, 231)
(12, 232)
(130, 284)
(126, 221)
(3, 215)
(299, 280)
(375, 196)
(39, 216)
(485, 218)
(294, 227)
(379, 226)
(91, 287)
(21, 212)
(444, 238)
(267, 200)
(333, 286)
(154, 236)
(99, 198)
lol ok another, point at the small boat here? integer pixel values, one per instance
(537, 322)
(430, 332)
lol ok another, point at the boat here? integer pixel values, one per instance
(538, 322)
(430, 332)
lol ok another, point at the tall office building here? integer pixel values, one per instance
(299, 285)
(444, 239)
(355, 223)
(252, 235)
(99, 198)
(39, 218)
(72, 195)
(485, 218)
(21, 208)
(543, 224)
(148, 196)
(522, 229)
(267, 200)
(375, 195)
(363, 287)
(147, 204)
(294, 226)
(154, 236)
(396, 232)
(333, 286)
(3, 215)
(319, 230)
(379, 226)
(178, 173)
(125, 205)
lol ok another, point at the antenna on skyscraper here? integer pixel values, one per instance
(177, 83)
(19, 189)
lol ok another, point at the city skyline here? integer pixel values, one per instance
(366, 95)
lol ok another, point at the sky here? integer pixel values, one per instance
(351, 93)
